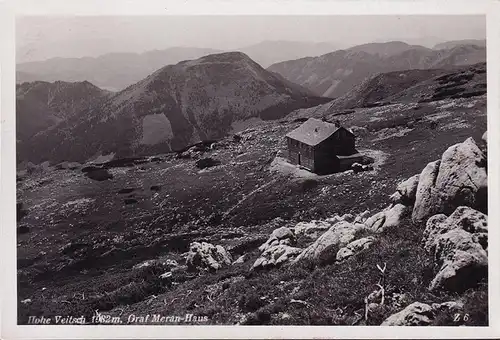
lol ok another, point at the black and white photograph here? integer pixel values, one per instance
(276, 170)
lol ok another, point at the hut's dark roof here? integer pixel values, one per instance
(313, 131)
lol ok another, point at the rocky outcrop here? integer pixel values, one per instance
(459, 246)
(466, 218)
(388, 218)
(406, 191)
(283, 236)
(459, 178)
(420, 314)
(207, 256)
(276, 255)
(416, 314)
(337, 218)
(277, 249)
(355, 247)
(311, 229)
(327, 245)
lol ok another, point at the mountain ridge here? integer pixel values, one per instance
(173, 107)
(334, 74)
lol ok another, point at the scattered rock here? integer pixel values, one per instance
(359, 130)
(459, 178)
(416, 314)
(337, 236)
(276, 255)
(283, 236)
(355, 247)
(166, 276)
(207, 163)
(357, 167)
(207, 256)
(277, 249)
(449, 305)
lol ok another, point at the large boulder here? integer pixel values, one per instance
(406, 191)
(327, 245)
(416, 314)
(389, 218)
(426, 191)
(459, 178)
(276, 255)
(465, 218)
(459, 245)
(207, 256)
(355, 247)
(277, 249)
(463, 261)
(421, 314)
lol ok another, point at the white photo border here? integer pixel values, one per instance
(10, 9)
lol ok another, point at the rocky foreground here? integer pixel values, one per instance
(458, 242)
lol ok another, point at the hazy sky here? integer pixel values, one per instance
(41, 38)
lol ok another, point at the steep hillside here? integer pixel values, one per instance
(172, 108)
(415, 85)
(41, 105)
(113, 71)
(334, 74)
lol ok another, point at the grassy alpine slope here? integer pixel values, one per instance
(83, 244)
